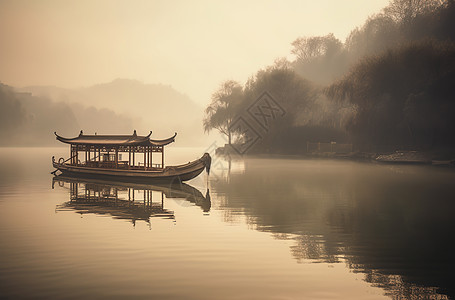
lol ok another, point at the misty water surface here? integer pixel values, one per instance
(267, 229)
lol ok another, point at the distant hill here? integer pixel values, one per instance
(155, 107)
(28, 120)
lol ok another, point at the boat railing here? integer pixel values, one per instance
(61, 160)
(92, 163)
(154, 166)
(118, 165)
(106, 164)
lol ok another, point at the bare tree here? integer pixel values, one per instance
(223, 108)
(405, 10)
(309, 47)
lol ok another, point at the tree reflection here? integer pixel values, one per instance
(392, 224)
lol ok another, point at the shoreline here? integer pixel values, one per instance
(391, 158)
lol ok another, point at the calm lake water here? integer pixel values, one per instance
(266, 229)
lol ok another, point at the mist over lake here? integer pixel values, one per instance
(227, 149)
(290, 227)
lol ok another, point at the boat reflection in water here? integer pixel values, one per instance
(126, 200)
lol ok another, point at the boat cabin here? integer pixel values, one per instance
(128, 152)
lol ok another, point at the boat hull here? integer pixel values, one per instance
(171, 173)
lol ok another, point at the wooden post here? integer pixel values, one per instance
(145, 157)
(162, 157)
(73, 153)
(77, 155)
(116, 157)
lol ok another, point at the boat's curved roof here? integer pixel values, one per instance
(115, 140)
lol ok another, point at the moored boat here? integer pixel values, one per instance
(404, 157)
(104, 153)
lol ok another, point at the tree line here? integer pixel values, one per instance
(388, 86)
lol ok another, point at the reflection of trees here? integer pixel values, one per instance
(126, 200)
(393, 225)
(311, 247)
(402, 228)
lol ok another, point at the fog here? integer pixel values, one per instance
(297, 102)
(191, 46)
(137, 106)
(375, 74)
(388, 86)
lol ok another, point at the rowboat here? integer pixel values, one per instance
(104, 153)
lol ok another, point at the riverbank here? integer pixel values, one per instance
(398, 157)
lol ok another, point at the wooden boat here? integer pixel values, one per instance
(103, 159)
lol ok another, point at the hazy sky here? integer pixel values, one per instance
(192, 45)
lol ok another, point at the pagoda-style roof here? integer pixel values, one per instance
(115, 140)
